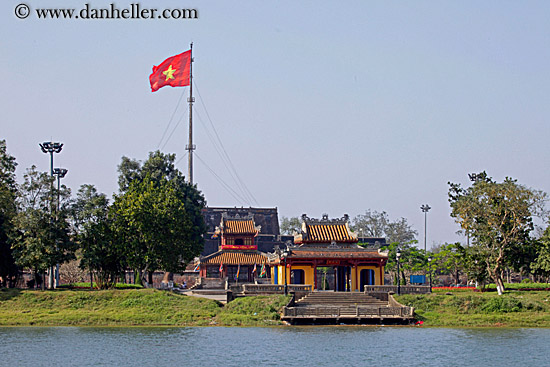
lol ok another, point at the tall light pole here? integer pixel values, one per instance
(60, 173)
(397, 256)
(51, 148)
(425, 208)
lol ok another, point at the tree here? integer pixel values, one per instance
(152, 220)
(158, 166)
(290, 225)
(158, 169)
(8, 209)
(450, 259)
(41, 237)
(412, 260)
(498, 217)
(100, 252)
(541, 265)
(378, 224)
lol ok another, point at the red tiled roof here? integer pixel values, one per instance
(239, 226)
(327, 233)
(235, 258)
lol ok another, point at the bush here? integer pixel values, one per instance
(502, 304)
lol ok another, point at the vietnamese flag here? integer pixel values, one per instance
(174, 71)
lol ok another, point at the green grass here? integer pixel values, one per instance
(253, 311)
(148, 307)
(476, 309)
(130, 307)
(520, 286)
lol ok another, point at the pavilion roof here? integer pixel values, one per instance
(325, 231)
(237, 225)
(234, 258)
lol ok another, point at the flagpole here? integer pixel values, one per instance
(190, 147)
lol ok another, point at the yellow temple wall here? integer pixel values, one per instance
(309, 275)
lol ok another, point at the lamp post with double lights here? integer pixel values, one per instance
(397, 256)
(60, 173)
(51, 148)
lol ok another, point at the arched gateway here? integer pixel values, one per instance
(326, 256)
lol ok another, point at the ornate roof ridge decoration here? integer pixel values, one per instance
(331, 231)
(325, 220)
(243, 227)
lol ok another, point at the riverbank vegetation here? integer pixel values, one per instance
(466, 308)
(148, 307)
(145, 307)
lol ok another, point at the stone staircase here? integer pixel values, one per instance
(352, 307)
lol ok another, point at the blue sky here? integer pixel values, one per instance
(324, 107)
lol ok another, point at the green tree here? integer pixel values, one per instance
(290, 225)
(541, 265)
(411, 260)
(449, 259)
(158, 168)
(498, 217)
(42, 236)
(100, 252)
(8, 210)
(152, 219)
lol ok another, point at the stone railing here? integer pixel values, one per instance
(353, 312)
(274, 288)
(404, 289)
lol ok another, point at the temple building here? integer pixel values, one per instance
(327, 256)
(237, 258)
(266, 218)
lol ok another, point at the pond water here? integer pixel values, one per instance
(279, 346)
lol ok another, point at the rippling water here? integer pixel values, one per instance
(283, 346)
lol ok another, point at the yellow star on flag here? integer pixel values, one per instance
(169, 73)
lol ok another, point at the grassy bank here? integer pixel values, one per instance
(131, 307)
(476, 309)
(146, 307)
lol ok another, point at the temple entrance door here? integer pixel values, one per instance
(367, 278)
(297, 276)
(343, 278)
(325, 278)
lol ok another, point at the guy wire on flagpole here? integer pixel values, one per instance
(190, 147)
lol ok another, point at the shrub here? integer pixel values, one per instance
(502, 304)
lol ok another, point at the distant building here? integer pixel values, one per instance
(266, 218)
(237, 258)
(326, 255)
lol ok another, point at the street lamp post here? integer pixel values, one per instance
(430, 270)
(285, 254)
(51, 148)
(397, 256)
(60, 173)
(425, 208)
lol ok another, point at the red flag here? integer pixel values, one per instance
(174, 71)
